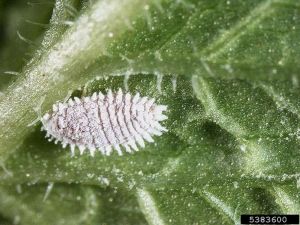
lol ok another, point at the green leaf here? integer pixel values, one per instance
(266, 133)
(68, 204)
(229, 73)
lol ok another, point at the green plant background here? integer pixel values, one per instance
(228, 71)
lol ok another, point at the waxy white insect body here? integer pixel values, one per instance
(105, 122)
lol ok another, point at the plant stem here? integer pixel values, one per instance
(61, 68)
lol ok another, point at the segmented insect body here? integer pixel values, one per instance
(105, 122)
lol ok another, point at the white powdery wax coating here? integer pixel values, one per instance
(105, 122)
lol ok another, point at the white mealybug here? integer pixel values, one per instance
(105, 122)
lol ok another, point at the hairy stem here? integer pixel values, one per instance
(61, 68)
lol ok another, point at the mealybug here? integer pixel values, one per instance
(105, 122)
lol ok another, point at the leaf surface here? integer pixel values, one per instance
(228, 72)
